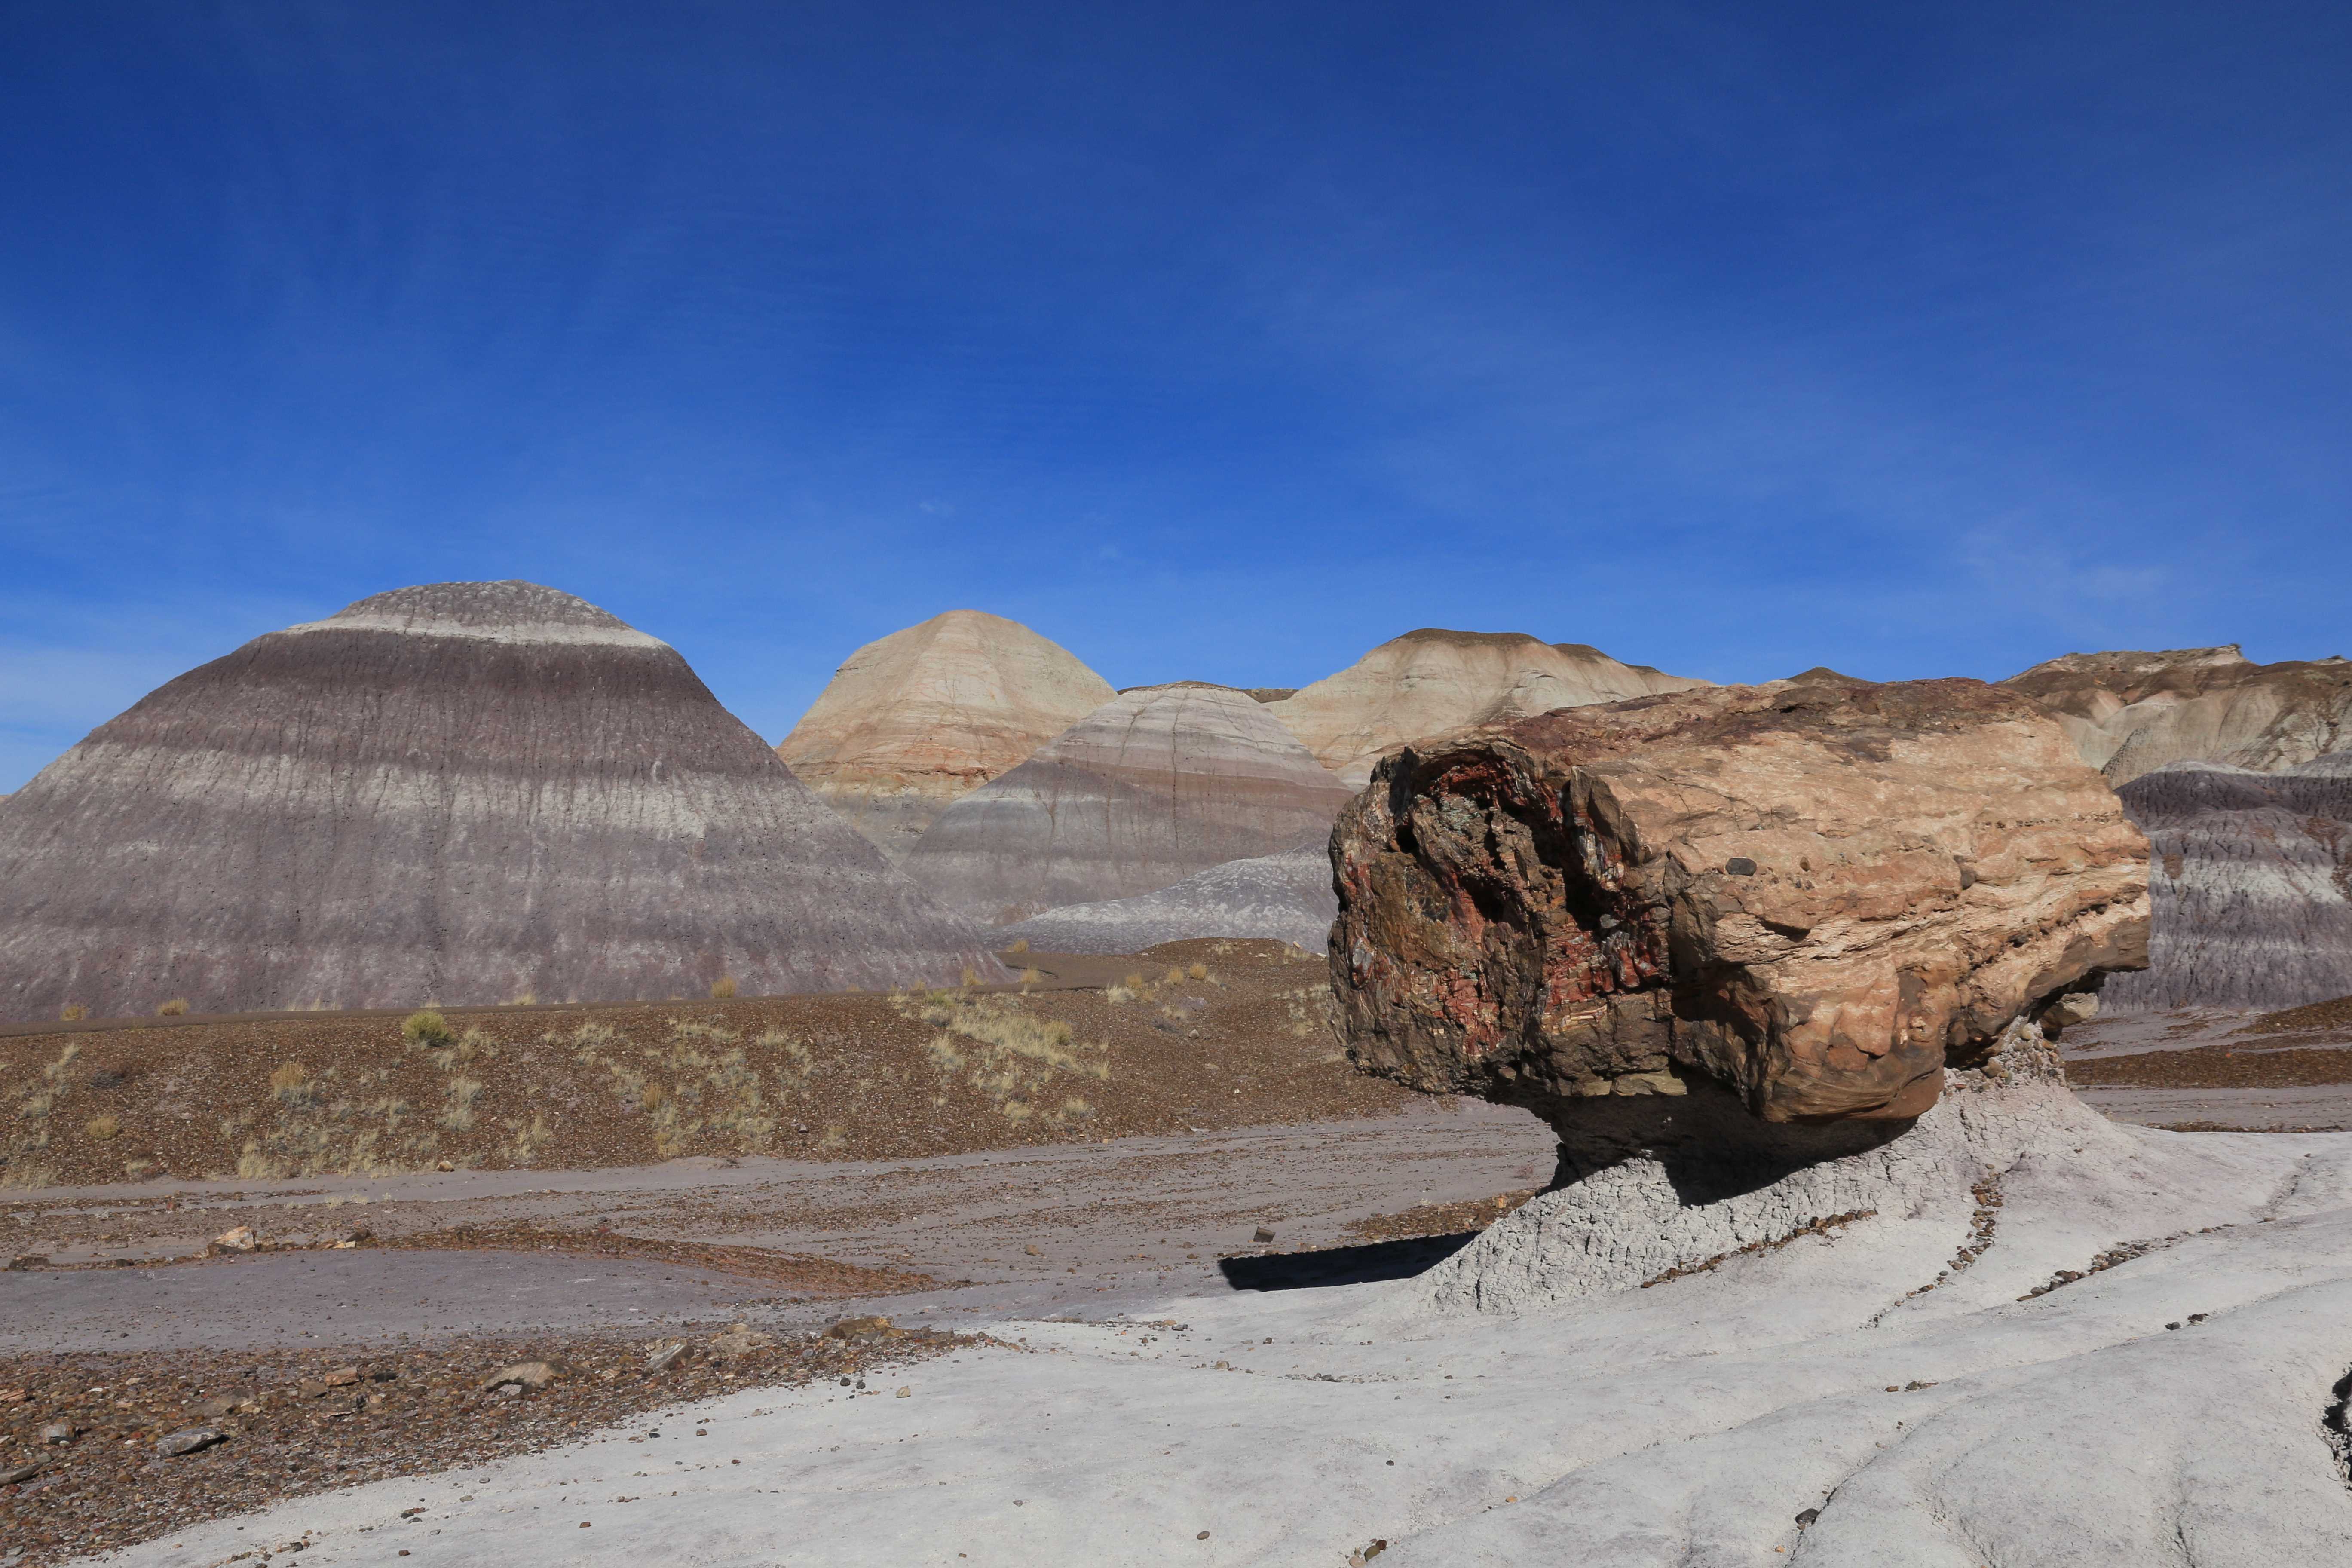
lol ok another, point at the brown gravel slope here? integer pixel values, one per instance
(1200, 1034)
(2211, 1067)
(2336, 1014)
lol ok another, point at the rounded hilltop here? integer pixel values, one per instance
(460, 793)
(509, 609)
(915, 720)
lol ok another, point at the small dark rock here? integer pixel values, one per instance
(189, 1440)
(1739, 866)
(1263, 1234)
(1805, 1519)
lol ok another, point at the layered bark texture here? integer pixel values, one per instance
(2131, 714)
(461, 792)
(915, 722)
(1811, 893)
(1287, 897)
(1154, 786)
(2251, 877)
(1431, 685)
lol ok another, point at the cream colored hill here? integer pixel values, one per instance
(2130, 713)
(916, 720)
(1158, 783)
(1432, 684)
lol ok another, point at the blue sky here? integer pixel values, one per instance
(1212, 341)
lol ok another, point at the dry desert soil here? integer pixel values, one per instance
(855, 1180)
(627, 1178)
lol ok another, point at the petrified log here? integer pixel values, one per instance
(1811, 894)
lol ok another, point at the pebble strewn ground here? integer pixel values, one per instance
(85, 1439)
(1187, 1036)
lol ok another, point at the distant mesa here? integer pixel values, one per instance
(1286, 896)
(1433, 685)
(2130, 713)
(924, 716)
(1155, 785)
(2251, 877)
(461, 792)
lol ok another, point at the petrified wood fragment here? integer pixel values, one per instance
(1811, 893)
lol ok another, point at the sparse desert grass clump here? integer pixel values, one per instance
(427, 1026)
(72, 1013)
(1014, 1058)
(1311, 1011)
(1033, 976)
(701, 1087)
(722, 988)
(1021, 946)
(101, 1126)
(463, 1092)
(291, 1085)
(1199, 971)
(177, 1008)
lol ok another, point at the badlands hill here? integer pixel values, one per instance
(2251, 877)
(924, 716)
(1286, 896)
(1154, 786)
(1431, 685)
(2130, 713)
(466, 792)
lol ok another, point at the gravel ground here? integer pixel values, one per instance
(1187, 1036)
(90, 1438)
(588, 1269)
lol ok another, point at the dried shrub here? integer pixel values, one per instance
(1021, 946)
(101, 1126)
(1022, 1058)
(1199, 971)
(722, 988)
(292, 1084)
(72, 1013)
(427, 1026)
(177, 1008)
(463, 1091)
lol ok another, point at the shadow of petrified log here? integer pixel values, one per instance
(1704, 1142)
(1371, 1263)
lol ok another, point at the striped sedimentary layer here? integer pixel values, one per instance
(1154, 786)
(462, 792)
(2130, 713)
(924, 716)
(2251, 877)
(1286, 896)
